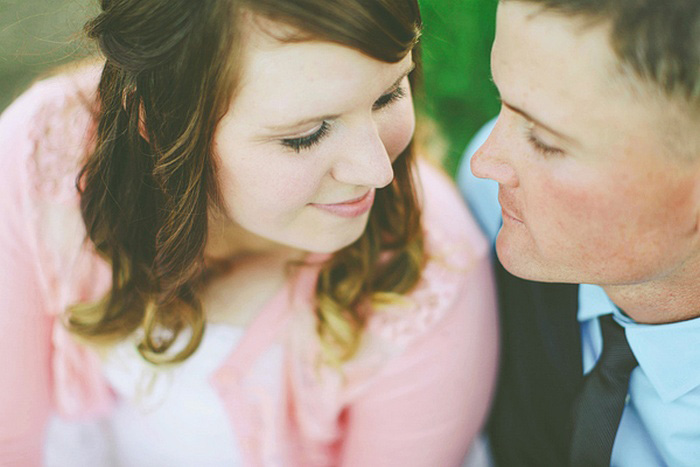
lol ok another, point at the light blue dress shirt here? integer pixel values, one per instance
(660, 424)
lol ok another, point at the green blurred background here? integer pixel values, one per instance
(37, 35)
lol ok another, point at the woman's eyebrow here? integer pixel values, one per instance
(407, 72)
(309, 120)
(301, 123)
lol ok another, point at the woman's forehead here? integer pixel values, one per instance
(286, 77)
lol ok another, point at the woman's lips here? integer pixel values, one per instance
(351, 208)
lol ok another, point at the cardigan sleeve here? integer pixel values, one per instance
(45, 266)
(25, 326)
(430, 401)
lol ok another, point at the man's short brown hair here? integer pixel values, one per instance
(658, 40)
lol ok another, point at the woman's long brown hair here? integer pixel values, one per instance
(171, 71)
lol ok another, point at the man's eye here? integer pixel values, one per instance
(389, 98)
(305, 142)
(542, 148)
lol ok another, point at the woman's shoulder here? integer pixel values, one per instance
(75, 80)
(447, 221)
(45, 136)
(457, 263)
(70, 88)
(48, 130)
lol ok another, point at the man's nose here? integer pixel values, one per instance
(492, 160)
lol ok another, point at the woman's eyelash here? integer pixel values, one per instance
(389, 98)
(305, 142)
(541, 147)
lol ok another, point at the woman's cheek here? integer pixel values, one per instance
(396, 127)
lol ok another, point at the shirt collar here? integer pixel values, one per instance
(668, 354)
(593, 302)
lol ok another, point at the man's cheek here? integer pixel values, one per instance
(562, 214)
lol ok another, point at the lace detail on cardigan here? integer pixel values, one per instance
(62, 130)
(434, 295)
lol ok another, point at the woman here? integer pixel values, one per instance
(252, 268)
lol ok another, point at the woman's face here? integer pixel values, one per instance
(311, 134)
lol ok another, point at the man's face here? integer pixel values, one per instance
(590, 187)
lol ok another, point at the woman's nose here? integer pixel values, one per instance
(365, 162)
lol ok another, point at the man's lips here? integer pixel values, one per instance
(506, 207)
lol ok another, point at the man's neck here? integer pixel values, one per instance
(658, 302)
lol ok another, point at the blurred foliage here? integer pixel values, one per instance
(459, 94)
(37, 35)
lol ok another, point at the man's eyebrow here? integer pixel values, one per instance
(306, 121)
(538, 122)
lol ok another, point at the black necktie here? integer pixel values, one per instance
(599, 406)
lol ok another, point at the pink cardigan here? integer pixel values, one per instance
(416, 395)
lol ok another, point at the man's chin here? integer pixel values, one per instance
(526, 267)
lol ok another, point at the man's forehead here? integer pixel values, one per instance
(540, 56)
(635, 61)
(573, 36)
(567, 76)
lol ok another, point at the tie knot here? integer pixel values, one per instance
(617, 357)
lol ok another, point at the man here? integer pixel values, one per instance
(596, 153)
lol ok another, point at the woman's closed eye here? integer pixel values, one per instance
(389, 98)
(307, 141)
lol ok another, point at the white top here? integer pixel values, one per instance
(165, 416)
